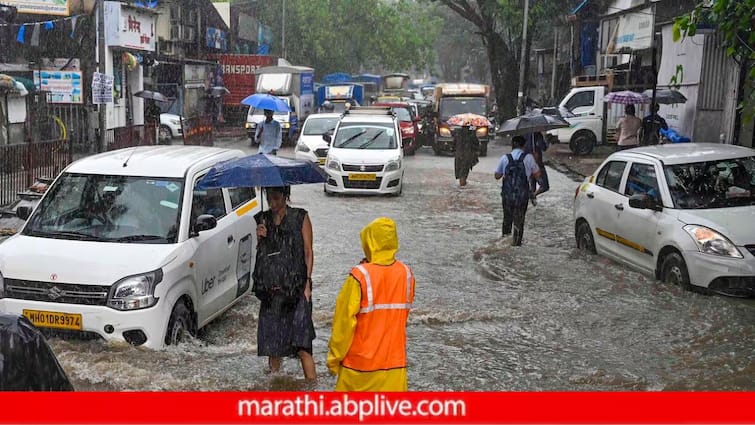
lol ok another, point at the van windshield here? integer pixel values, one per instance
(123, 209)
(451, 106)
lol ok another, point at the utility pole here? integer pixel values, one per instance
(101, 59)
(283, 30)
(520, 104)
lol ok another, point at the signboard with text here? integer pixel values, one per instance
(102, 88)
(634, 32)
(40, 7)
(129, 27)
(60, 86)
(238, 74)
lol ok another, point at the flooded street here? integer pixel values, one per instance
(486, 316)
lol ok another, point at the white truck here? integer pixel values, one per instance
(592, 120)
(296, 86)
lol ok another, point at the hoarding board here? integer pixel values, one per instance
(238, 74)
(40, 7)
(60, 86)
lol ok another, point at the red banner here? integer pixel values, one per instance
(415, 407)
(238, 74)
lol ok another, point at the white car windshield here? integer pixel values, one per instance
(109, 209)
(712, 184)
(319, 126)
(365, 136)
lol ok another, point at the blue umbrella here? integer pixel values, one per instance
(266, 101)
(261, 170)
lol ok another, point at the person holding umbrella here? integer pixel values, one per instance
(628, 129)
(283, 282)
(269, 134)
(651, 127)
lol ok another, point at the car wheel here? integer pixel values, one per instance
(674, 271)
(180, 324)
(585, 241)
(582, 143)
(165, 134)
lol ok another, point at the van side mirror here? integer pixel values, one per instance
(204, 222)
(23, 212)
(643, 201)
(327, 137)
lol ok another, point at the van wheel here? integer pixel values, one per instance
(674, 271)
(585, 241)
(180, 324)
(582, 143)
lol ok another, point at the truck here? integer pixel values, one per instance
(237, 75)
(372, 86)
(339, 94)
(459, 98)
(295, 86)
(592, 121)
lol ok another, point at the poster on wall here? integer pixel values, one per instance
(40, 7)
(60, 86)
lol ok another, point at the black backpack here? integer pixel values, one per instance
(516, 185)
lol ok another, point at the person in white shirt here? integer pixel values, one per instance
(269, 134)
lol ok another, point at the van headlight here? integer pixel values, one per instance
(135, 292)
(711, 242)
(301, 147)
(444, 132)
(481, 132)
(393, 165)
(333, 164)
(2, 286)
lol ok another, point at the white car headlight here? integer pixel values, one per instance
(393, 165)
(711, 242)
(301, 147)
(135, 292)
(2, 286)
(333, 164)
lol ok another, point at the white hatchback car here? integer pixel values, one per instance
(311, 146)
(684, 213)
(125, 246)
(365, 155)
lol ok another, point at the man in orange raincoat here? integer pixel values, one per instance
(367, 349)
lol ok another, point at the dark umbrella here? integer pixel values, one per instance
(262, 170)
(149, 94)
(666, 96)
(532, 123)
(266, 101)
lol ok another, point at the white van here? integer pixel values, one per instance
(124, 246)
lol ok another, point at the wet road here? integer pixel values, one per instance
(487, 316)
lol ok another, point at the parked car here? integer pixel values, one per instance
(311, 146)
(170, 127)
(408, 122)
(365, 156)
(124, 246)
(684, 213)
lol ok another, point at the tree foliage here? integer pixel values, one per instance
(735, 20)
(354, 35)
(499, 25)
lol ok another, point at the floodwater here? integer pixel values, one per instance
(486, 316)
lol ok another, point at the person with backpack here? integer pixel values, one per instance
(536, 145)
(516, 169)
